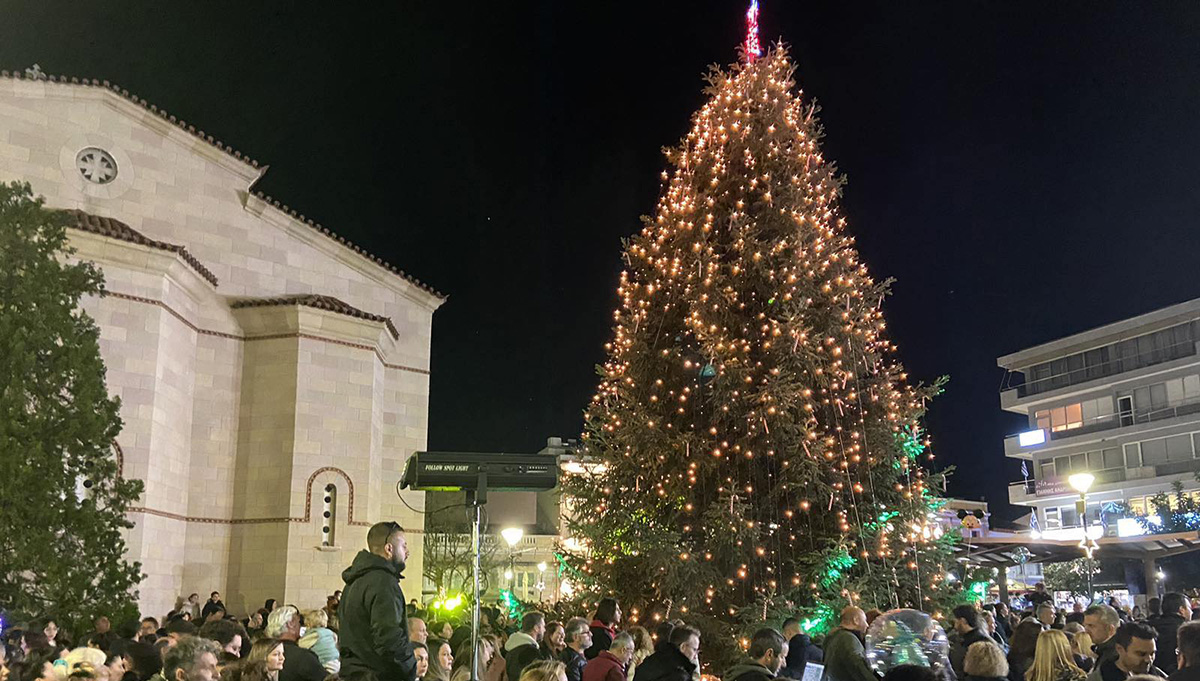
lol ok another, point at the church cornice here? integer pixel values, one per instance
(235, 161)
(115, 229)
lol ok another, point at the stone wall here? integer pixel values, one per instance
(236, 419)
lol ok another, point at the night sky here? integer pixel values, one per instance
(1024, 170)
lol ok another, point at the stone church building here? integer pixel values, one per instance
(274, 378)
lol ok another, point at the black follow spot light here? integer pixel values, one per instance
(476, 473)
(480, 472)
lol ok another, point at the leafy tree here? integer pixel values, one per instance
(62, 500)
(1071, 576)
(754, 447)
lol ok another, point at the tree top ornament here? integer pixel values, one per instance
(753, 48)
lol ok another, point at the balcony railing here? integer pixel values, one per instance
(1136, 417)
(1118, 365)
(1057, 486)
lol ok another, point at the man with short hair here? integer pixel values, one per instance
(1175, 610)
(768, 650)
(374, 627)
(179, 627)
(578, 635)
(1188, 644)
(214, 603)
(677, 661)
(1045, 614)
(800, 651)
(524, 647)
(191, 659)
(1101, 622)
(229, 635)
(1135, 647)
(299, 664)
(610, 665)
(966, 628)
(845, 656)
(149, 628)
(417, 631)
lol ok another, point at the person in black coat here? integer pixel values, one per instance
(579, 639)
(1175, 611)
(677, 661)
(374, 624)
(767, 651)
(214, 603)
(966, 626)
(1188, 642)
(604, 627)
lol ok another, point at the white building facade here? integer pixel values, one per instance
(1121, 402)
(273, 378)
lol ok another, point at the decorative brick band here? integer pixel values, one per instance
(237, 521)
(221, 334)
(211, 521)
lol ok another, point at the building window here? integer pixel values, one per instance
(1052, 519)
(1137, 505)
(1046, 470)
(1077, 415)
(1133, 455)
(329, 515)
(96, 165)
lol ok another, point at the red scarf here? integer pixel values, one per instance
(611, 632)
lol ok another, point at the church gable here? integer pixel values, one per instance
(94, 147)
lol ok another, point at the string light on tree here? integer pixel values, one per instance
(753, 429)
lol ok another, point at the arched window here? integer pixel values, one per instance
(329, 515)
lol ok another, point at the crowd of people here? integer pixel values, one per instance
(1102, 642)
(368, 632)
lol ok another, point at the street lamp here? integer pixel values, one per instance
(511, 535)
(1082, 482)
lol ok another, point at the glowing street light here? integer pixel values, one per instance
(1081, 482)
(512, 535)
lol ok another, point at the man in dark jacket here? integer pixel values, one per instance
(676, 662)
(767, 652)
(1101, 622)
(374, 623)
(524, 647)
(579, 638)
(1136, 651)
(966, 626)
(1175, 611)
(845, 656)
(214, 603)
(800, 651)
(1189, 653)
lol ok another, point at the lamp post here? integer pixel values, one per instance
(541, 585)
(1082, 482)
(511, 535)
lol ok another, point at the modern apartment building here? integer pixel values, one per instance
(1121, 402)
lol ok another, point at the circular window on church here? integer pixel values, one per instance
(96, 165)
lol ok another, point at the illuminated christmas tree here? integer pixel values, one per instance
(754, 446)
